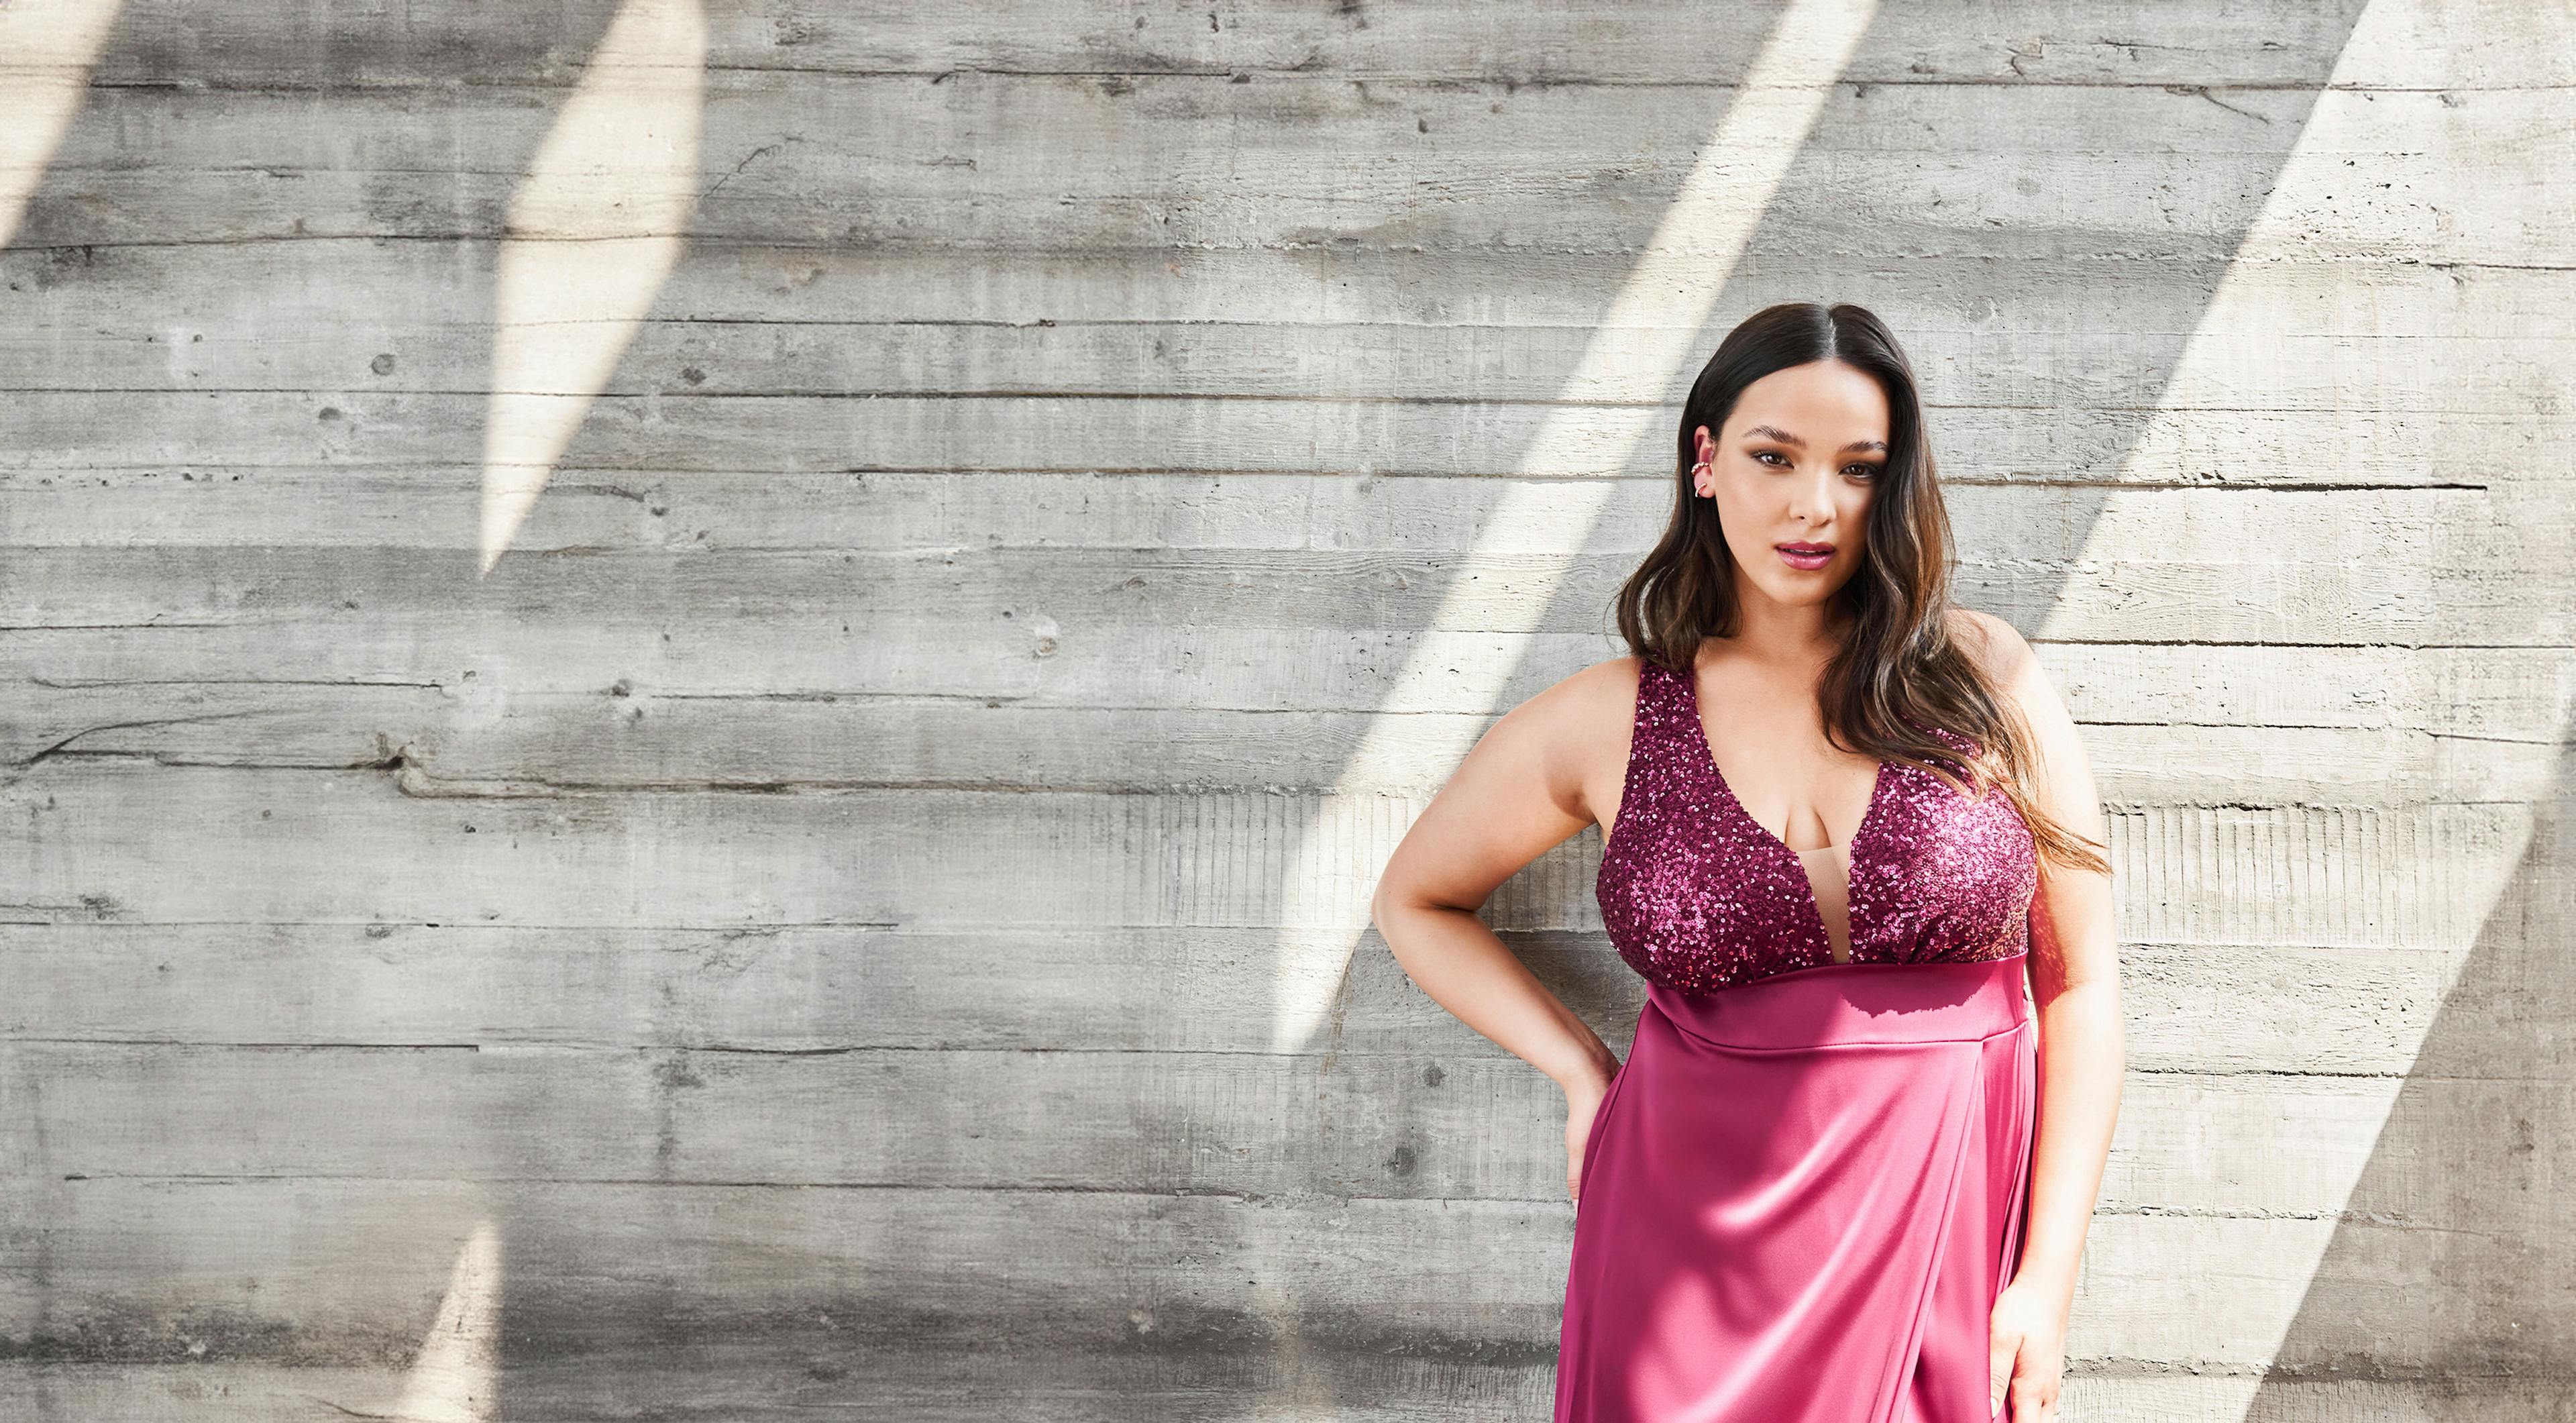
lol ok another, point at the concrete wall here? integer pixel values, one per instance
(698, 704)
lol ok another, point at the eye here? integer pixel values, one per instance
(1862, 471)
(1766, 456)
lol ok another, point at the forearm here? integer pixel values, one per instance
(2080, 1067)
(1454, 958)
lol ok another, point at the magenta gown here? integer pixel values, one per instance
(1806, 1185)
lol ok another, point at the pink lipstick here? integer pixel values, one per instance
(1807, 556)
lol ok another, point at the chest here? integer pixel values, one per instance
(1697, 895)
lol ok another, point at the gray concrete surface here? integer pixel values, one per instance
(856, 914)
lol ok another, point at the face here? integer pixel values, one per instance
(1793, 473)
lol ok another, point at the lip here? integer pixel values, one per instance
(1805, 556)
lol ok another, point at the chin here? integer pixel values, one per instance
(1804, 594)
(1784, 585)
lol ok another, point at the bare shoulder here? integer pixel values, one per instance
(1591, 710)
(1579, 727)
(2064, 784)
(1601, 686)
(2011, 668)
(1541, 772)
(1996, 646)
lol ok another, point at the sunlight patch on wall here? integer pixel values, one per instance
(1650, 333)
(2319, 281)
(456, 1378)
(46, 50)
(595, 228)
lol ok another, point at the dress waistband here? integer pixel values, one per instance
(1841, 1003)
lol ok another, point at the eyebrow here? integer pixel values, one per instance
(1784, 437)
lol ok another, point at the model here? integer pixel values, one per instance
(1853, 846)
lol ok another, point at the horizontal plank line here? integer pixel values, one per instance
(2300, 646)
(82, 917)
(417, 783)
(1167, 396)
(2373, 1219)
(2340, 1218)
(1318, 77)
(568, 1047)
(992, 1189)
(1469, 1052)
(399, 758)
(1024, 700)
(987, 253)
(155, 623)
(62, 684)
(323, 1046)
(2219, 254)
(34, 479)
(1073, 394)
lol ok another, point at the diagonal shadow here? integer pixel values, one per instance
(46, 49)
(1894, 266)
(1945, 298)
(2446, 1289)
(1967, 298)
(215, 249)
(1699, 237)
(2448, 1286)
(2043, 297)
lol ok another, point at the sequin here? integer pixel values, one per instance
(1698, 897)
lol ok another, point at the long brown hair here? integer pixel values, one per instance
(1898, 673)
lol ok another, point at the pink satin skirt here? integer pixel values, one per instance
(1801, 1197)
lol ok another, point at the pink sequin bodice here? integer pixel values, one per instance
(1697, 896)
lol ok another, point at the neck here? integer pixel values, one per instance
(1801, 635)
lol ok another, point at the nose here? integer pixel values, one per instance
(1811, 498)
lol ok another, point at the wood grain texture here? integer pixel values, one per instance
(822, 897)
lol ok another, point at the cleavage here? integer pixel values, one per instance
(1827, 864)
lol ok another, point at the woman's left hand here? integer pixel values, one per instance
(2029, 1353)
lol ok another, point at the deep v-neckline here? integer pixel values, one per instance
(1797, 861)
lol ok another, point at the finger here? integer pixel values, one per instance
(1999, 1362)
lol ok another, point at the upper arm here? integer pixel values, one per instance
(2065, 783)
(1520, 790)
(2071, 917)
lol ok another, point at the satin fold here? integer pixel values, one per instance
(1800, 1199)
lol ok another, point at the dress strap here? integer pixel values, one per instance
(1658, 739)
(1655, 683)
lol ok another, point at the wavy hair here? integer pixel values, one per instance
(1898, 674)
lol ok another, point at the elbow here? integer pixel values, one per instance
(1387, 905)
(1381, 905)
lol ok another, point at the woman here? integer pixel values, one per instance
(1846, 1169)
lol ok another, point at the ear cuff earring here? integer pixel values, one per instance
(1701, 478)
